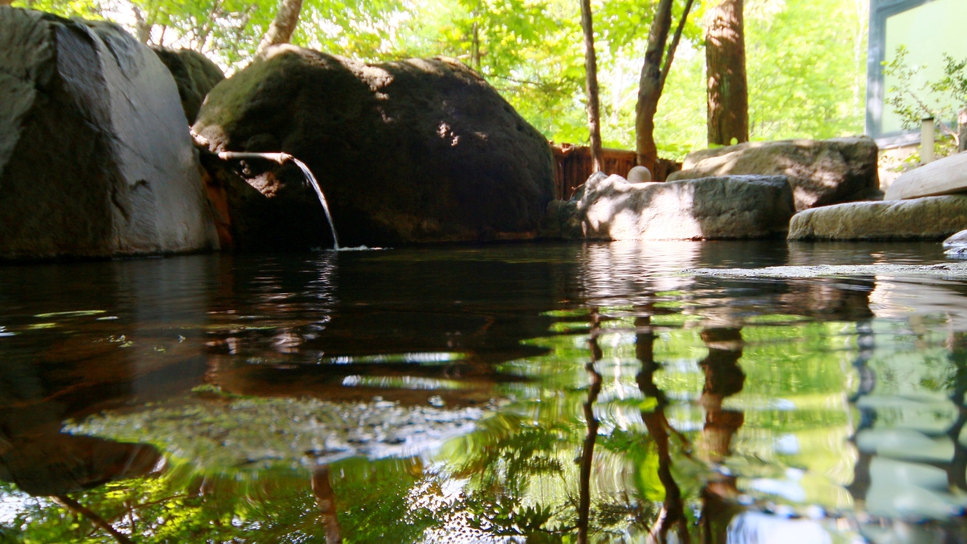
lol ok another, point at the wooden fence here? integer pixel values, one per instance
(572, 166)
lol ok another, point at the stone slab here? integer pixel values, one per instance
(928, 218)
(942, 177)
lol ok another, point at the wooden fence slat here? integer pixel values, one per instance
(572, 166)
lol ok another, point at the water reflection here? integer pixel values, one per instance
(502, 394)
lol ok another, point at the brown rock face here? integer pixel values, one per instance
(194, 74)
(409, 151)
(821, 172)
(95, 156)
(928, 218)
(736, 207)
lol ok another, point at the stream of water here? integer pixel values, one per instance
(310, 179)
(507, 393)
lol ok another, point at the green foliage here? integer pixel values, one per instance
(937, 99)
(806, 59)
(940, 99)
(806, 68)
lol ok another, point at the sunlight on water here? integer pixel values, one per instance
(481, 394)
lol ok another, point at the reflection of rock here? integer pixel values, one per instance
(820, 172)
(611, 208)
(829, 299)
(905, 444)
(57, 464)
(759, 528)
(929, 218)
(911, 491)
(408, 151)
(95, 157)
(194, 74)
(255, 433)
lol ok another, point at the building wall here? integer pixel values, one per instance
(928, 28)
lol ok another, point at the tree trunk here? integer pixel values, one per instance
(728, 96)
(652, 82)
(141, 26)
(283, 26)
(591, 79)
(475, 48)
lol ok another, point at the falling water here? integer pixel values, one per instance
(281, 158)
(322, 198)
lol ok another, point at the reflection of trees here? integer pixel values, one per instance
(673, 513)
(587, 452)
(723, 378)
(957, 474)
(326, 502)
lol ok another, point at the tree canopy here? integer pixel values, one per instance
(805, 58)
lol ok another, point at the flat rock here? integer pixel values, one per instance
(95, 155)
(734, 207)
(942, 177)
(821, 172)
(928, 218)
(413, 151)
(956, 270)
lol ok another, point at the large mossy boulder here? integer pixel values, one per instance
(194, 73)
(735, 207)
(821, 172)
(406, 152)
(928, 218)
(95, 156)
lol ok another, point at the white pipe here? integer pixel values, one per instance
(275, 157)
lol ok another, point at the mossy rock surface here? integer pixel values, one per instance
(413, 151)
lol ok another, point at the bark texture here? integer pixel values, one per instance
(283, 26)
(591, 79)
(654, 72)
(728, 95)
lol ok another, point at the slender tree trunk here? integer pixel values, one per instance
(728, 95)
(99, 522)
(475, 48)
(283, 26)
(326, 502)
(591, 79)
(654, 72)
(142, 26)
(587, 453)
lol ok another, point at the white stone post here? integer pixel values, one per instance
(926, 140)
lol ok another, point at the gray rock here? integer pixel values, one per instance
(928, 218)
(822, 172)
(946, 176)
(95, 156)
(409, 151)
(956, 245)
(735, 207)
(194, 74)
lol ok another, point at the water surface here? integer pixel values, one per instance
(508, 393)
